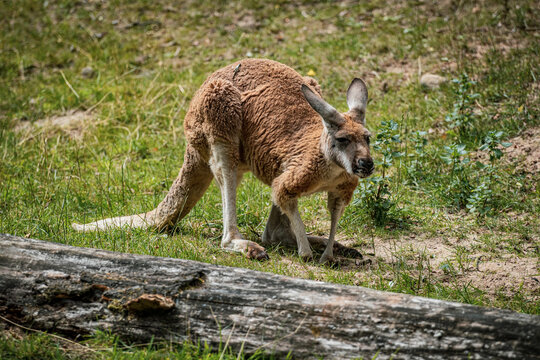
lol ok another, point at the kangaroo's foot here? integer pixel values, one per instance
(250, 249)
(327, 258)
(256, 252)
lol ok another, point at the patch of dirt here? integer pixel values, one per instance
(525, 151)
(505, 275)
(459, 261)
(523, 155)
(73, 123)
(248, 21)
(447, 257)
(407, 70)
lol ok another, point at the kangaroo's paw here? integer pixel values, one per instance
(306, 254)
(257, 252)
(251, 249)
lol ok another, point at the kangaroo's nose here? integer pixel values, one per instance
(366, 166)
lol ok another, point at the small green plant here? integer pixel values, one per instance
(462, 117)
(481, 200)
(459, 186)
(463, 259)
(374, 193)
(447, 268)
(417, 158)
(492, 144)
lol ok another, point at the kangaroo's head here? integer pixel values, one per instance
(345, 140)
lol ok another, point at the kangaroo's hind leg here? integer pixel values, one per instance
(221, 115)
(226, 175)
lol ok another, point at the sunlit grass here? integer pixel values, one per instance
(149, 59)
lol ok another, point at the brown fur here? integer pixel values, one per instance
(253, 116)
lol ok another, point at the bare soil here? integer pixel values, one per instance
(72, 123)
(461, 262)
(453, 262)
(524, 153)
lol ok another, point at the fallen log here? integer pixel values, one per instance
(75, 291)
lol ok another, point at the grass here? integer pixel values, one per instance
(149, 58)
(14, 345)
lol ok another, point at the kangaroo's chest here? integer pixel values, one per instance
(329, 180)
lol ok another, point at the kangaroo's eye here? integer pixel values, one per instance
(368, 139)
(343, 140)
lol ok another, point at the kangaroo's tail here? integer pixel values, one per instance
(190, 185)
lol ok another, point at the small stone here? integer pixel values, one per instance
(247, 22)
(432, 81)
(168, 44)
(87, 72)
(140, 60)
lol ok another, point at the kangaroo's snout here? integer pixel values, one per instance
(364, 167)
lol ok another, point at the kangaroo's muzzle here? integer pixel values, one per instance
(364, 167)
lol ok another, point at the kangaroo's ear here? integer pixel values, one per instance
(357, 97)
(331, 116)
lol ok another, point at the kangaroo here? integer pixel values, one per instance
(262, 116)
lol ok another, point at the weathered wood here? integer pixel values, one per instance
(76, 291)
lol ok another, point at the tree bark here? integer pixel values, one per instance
(76, 291)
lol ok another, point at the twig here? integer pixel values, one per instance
(150, 87)
(243, 343)
(227, 342)
(48, 334)
(250, 228)
(121, 76)
(21, 64)
(96, 104)
(69, 85)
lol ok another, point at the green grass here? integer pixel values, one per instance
(106, 346)
(149, 58)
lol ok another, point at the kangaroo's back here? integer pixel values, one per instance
(278, 124)
(249, 74)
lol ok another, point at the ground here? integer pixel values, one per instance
(93, 95)
(524, 153)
